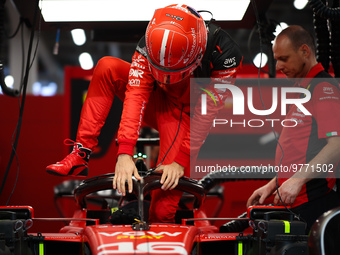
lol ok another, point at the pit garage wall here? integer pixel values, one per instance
(45, 125)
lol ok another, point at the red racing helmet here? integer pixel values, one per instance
(176, 39)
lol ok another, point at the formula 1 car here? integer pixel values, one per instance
(261, 230)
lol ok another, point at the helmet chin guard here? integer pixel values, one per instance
(176, 39)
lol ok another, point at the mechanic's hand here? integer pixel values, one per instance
(125, 168)
(288, 191)
(171, 175)
(260, 195)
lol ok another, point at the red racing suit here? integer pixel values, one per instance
(163, 107)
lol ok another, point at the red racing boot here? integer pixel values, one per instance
(74, 164)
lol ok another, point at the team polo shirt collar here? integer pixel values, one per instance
(312, 73)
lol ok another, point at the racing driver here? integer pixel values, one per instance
(155, 89)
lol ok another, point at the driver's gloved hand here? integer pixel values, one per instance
(124, 216)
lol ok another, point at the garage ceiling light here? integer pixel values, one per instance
(78, 36)
(131, 10)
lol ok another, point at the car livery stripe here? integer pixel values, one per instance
(240, 248)
(163, 46)
(287, 226)
(41, 248)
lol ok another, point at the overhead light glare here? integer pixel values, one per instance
(260, 59)
(9, 81)
(280, 27)
(85, 61)
(108, 10)
(78, 36)
(300, 4)
(45, 89)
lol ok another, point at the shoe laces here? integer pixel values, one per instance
(70, 142)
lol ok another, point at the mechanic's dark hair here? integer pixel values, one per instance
(299, 36)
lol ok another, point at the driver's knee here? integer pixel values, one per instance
(162, 214)
(111, 76)
(164, 205)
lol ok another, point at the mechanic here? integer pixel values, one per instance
(155, 90)
(315, 141)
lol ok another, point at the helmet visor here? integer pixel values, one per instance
(168, 76)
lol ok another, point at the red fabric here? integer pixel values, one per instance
(109, 79)
(164, 205)
(296, 141)
(183, 157)
(161, 108)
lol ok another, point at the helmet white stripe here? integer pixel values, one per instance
(163, 46)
